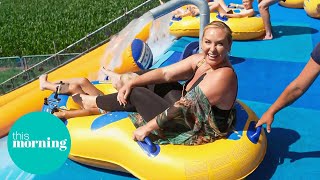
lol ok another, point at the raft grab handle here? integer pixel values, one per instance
(149, 147)
(253, 133)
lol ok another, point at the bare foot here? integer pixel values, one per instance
(110, 73)
(112, 76)
(101, 75)
(268, 37)
(43, 81)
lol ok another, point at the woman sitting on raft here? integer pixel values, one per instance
(228, 11)
(203, 114)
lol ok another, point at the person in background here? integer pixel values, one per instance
(228, 11)
(295, 89)
(246, 10)
(265, 14)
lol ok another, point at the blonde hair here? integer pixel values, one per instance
(220, 25)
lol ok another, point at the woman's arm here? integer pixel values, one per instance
(220, 87)
(159, 122)
(178, 71)
(143, 131)
(295, 89)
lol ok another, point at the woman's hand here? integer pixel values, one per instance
(140, 133)
(60, 114)
(123, 93)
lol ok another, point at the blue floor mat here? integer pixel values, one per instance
(281, 48)
(264, 80)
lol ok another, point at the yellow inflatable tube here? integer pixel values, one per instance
(29, 98)
(105, 141)
(246, 28)
(292, 3)
(312, 7)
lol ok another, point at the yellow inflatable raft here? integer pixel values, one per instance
(245, 28)
(105, 141)
(312, 9)
(292, 3)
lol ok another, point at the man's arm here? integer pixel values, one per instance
(295, 89)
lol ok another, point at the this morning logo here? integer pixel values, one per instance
(39, 143)
(22, 140)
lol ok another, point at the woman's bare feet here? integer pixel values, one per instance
(113, 77)
(43, 81)
(110, 74)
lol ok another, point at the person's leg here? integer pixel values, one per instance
(213, 6)
(264, 12)
(86, 86)
(62, 88)
(69, 86)
(171, 92)
(173, 96)
(77, 113)
(106, 103)
(118, 80)
(112, 76)
(218, 8)
(110, 99)
(45, 84)
(144, 101)
(223, 5)
(141, 100)
(147, 103)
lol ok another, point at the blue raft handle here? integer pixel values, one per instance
(229, 6)
(176, 18)
(222, 18)
(149, 147)
(254, 133)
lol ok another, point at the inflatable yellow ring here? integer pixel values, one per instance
(292, 3)
(312, 7)
(246, 28)
(105, 141)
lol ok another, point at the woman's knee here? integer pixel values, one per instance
(138, 92)
(83, 81)
(214, 5)
(74, 89)
(262, 6)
